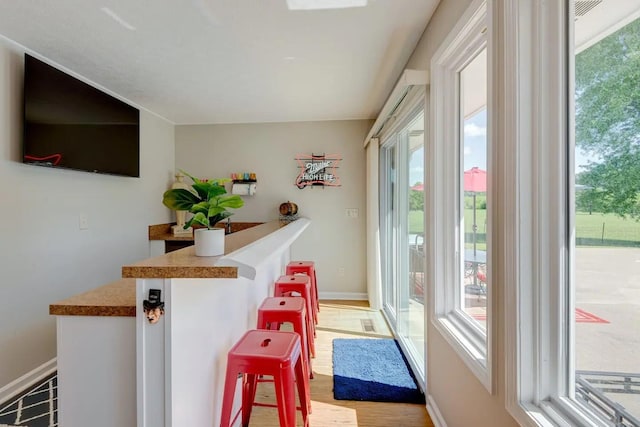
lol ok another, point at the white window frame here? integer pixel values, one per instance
(534, 142)
(464, 42)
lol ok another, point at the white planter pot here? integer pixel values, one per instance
(209, 242)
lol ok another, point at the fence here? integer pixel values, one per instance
(608, 232)
(590, 230)
(591, 387)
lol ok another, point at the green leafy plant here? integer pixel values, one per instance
(208, 202)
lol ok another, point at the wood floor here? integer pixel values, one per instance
(342, 319)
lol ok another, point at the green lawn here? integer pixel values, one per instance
(589, 228)
(606, 230)
(416, 222)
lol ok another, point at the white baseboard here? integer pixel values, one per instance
(434, 413)
(354, 296)
(27, 380)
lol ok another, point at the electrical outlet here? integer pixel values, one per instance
(83, 222)
(351, 212)
(341, 271)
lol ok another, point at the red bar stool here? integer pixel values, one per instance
(265, 352)
(276, 310)
(308, 268)
(301, 284)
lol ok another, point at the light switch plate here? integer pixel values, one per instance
(83, 222)
(351, 212)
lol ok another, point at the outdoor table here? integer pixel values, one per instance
(475, 259)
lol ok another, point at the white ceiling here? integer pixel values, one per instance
(227, 61)
(603, 18)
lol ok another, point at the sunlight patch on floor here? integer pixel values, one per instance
(332, 415)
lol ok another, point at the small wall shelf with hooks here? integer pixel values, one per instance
(243, 183)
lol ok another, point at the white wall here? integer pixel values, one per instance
(44, 257)
(450, 383)
(332, 240)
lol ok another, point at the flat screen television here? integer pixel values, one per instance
(70, 124)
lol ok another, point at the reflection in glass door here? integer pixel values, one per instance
(403, 239)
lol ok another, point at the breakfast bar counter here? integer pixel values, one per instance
(166, 371)
(115, 299)
(163, 231)
(162, 240)
(119, 298)
(184, 263)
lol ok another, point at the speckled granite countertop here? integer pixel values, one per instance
(163, 231)
(184, 264)
(119, 298)
(115, 299)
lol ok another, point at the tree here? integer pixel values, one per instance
(416, 200)
(608, 121)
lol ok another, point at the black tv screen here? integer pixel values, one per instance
(70, 124)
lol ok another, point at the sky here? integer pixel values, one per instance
(475, 148)
(582, 159)
(475, 141)
(416, 168)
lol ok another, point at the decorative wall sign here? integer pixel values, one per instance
(317, 170)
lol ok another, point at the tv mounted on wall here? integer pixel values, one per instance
(70, 124)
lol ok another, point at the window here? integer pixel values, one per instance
(572, 312)
(604, 286)
(461, 199)
(402, 229)
(473, 207)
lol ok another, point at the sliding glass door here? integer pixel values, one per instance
(402, 236)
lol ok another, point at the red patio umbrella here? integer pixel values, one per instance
(418, 187)
(475, 181)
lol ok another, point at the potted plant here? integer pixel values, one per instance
(208, 202)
